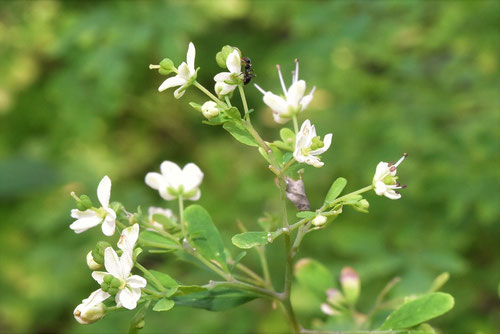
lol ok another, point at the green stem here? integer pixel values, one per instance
(250, 273)
(153, 293)
(291, 162)
(181, 215)
(357, 192)
(244, 286)
(151, 277)
(261, 251)
(147, 243)
(162, 232)
(210, 95)
(228, 102)
(212, 266)
(295, 124)
(243, 100)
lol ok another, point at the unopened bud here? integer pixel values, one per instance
(93, 265)
(166, 67)
(87, 314)
(351, 285)
(98, 251)
(221, 56)
(319, 220)
(334, 297)
(362, 206)
(209, 109)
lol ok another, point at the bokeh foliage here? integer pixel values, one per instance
(77, 101)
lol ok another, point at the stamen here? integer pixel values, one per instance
(390, 163)
(392, 169)
(296, 78)
(404, 186)
(260, 89)
(153, 67)
(401, 160)
(281, 80)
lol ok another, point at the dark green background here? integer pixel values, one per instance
(77, 102)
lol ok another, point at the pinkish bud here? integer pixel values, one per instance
(351, 285)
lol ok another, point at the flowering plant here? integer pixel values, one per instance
(193, 236)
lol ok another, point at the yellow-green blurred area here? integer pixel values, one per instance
(77, 102)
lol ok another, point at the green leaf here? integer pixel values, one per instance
(218, 299)
(250, 239)
(314, 276)
(168, 282)
(204, 235)
(419, 310)
(237, 259)
(234, 113)
(288, 136)
(164, 220)
(240, 133)
(163, 304)
(152, 238)
(306, 214)
(335, 190)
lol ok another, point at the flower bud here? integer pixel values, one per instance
(221, 56)
(362, 206)
(334, 297)
(351, 285)
(319, 220)
(209, 109)
(91, 309)
(166, 66)
(98, 251)
(93, 265)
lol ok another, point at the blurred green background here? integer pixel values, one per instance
(77, 102)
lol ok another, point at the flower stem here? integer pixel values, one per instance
(181, 215)
(261, 251)
(153, 279)
(210, 95)
(244, 286)
(357, 192)
(295, 124)
(153, 293)
(243, 100)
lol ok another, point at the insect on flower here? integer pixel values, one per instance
(248, 74)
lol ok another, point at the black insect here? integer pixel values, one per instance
(248, 74)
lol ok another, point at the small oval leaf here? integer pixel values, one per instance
(168, 282)
(250, 239)
(419, 310)
(163, 304)
(335, 190)
(240, 133)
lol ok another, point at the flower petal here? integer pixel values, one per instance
(128, 238)
(380, 188)
(307, 99)
(233, 62)
(179, 92)
(109, 223)
(191, 177)
(171, 82)
(136, 281)
(104, 191)
(391, 194)
(127, 298)
(96, 297)
(126, 264)
(172, 173)
(112, 262)
(223, 76)
(75, 213)
(155, 180)
(276, 103)
(83, 224)
(99, 276)
(191, 53)
(296, 93)
(195, 197)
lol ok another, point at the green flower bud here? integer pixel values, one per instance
(93, 265)
(351, 285)
(113, 291)
(86, 202)
(98, 251)
(166, 67)
(115, 282)
(221, 56)
(362, 206)
(105, 286)
(319, 220)
(108, 278)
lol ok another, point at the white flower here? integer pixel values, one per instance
(129, 286)
(155, 210)
(385, 178)
(91, 309)
(128, 238)
(92, 217)
(209, 109)
(293, 102)
(186, 74)
(226, 82)
(174, 182)
(308, 145)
